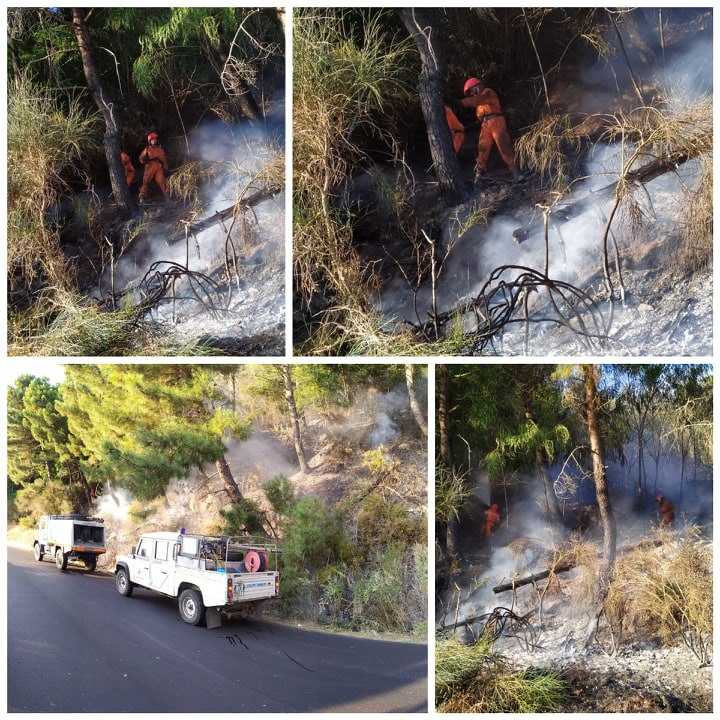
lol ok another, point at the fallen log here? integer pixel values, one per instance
(250, 201)
(566, 567)
(565, 213)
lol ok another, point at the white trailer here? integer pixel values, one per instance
(70, 538)
(209, 575)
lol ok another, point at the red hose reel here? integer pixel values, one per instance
(255, 561)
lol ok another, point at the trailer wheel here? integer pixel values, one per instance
(122, 582)
(191, 607)
(60, 560)
(38, 552)
(91, 563)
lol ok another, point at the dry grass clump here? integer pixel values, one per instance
(62, 323)
(48, 133)
(544, 149)
(186, 182)
(649, 133)
(666, 593)
(272, 174)
(474, 679)
(582, 556)
(345, 82)
(451, 491)
(358, 331)
(696, 221)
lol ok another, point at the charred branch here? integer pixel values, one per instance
(564, 213)
(250, 201)
(564, 567)
(500, 303)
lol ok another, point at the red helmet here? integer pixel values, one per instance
(470, 83)
(152, 136)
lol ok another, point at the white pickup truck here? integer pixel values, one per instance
(210, 575)
(69, 538)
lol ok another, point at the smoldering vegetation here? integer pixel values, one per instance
(530, 613)
(340, 481)
(198, 271)
(604, 246)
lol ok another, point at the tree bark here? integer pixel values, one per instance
(442, 384)
(231, 487)
(551, 501)
(412, 395)
(246, 101)
(607, 518)
(445, 162)
(452, 529)
(111, 139)
(294, 417)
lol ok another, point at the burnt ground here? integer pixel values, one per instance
(638, 680)
(236, 308)
(667, 309)
(642, 675)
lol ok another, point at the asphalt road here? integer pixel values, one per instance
(76, 645)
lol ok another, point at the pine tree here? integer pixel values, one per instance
(140, 426)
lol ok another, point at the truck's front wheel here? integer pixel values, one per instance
(191, 606)
(38, 552)
(122, 582)
(61, 560)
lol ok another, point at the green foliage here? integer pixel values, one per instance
(280, 494)
(510, 415)
(244, 518)
(382, 523)
(381, 600)
(473, 679)
(142, 425)
(41, 464)
(314, 536)
(380, 463)
(320, 386)
(172, 39)
(44, 497)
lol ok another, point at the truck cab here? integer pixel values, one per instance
(70, 539)
(209, 575)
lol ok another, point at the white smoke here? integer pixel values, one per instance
(575, 246)
(253, 302)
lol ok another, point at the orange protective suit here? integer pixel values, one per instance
(128, 167)
(666, 510)
(154, 159)
(457, 129)
(493, 129)
(492, 519)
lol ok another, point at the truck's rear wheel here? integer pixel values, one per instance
(38, 552)
(60, 560)
(190, 603)
(91, 563)
(122, 582)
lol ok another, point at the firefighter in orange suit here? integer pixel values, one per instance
(666, 510)
(493, 128)
(128, 167)
(154, 160)
(492, 520)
